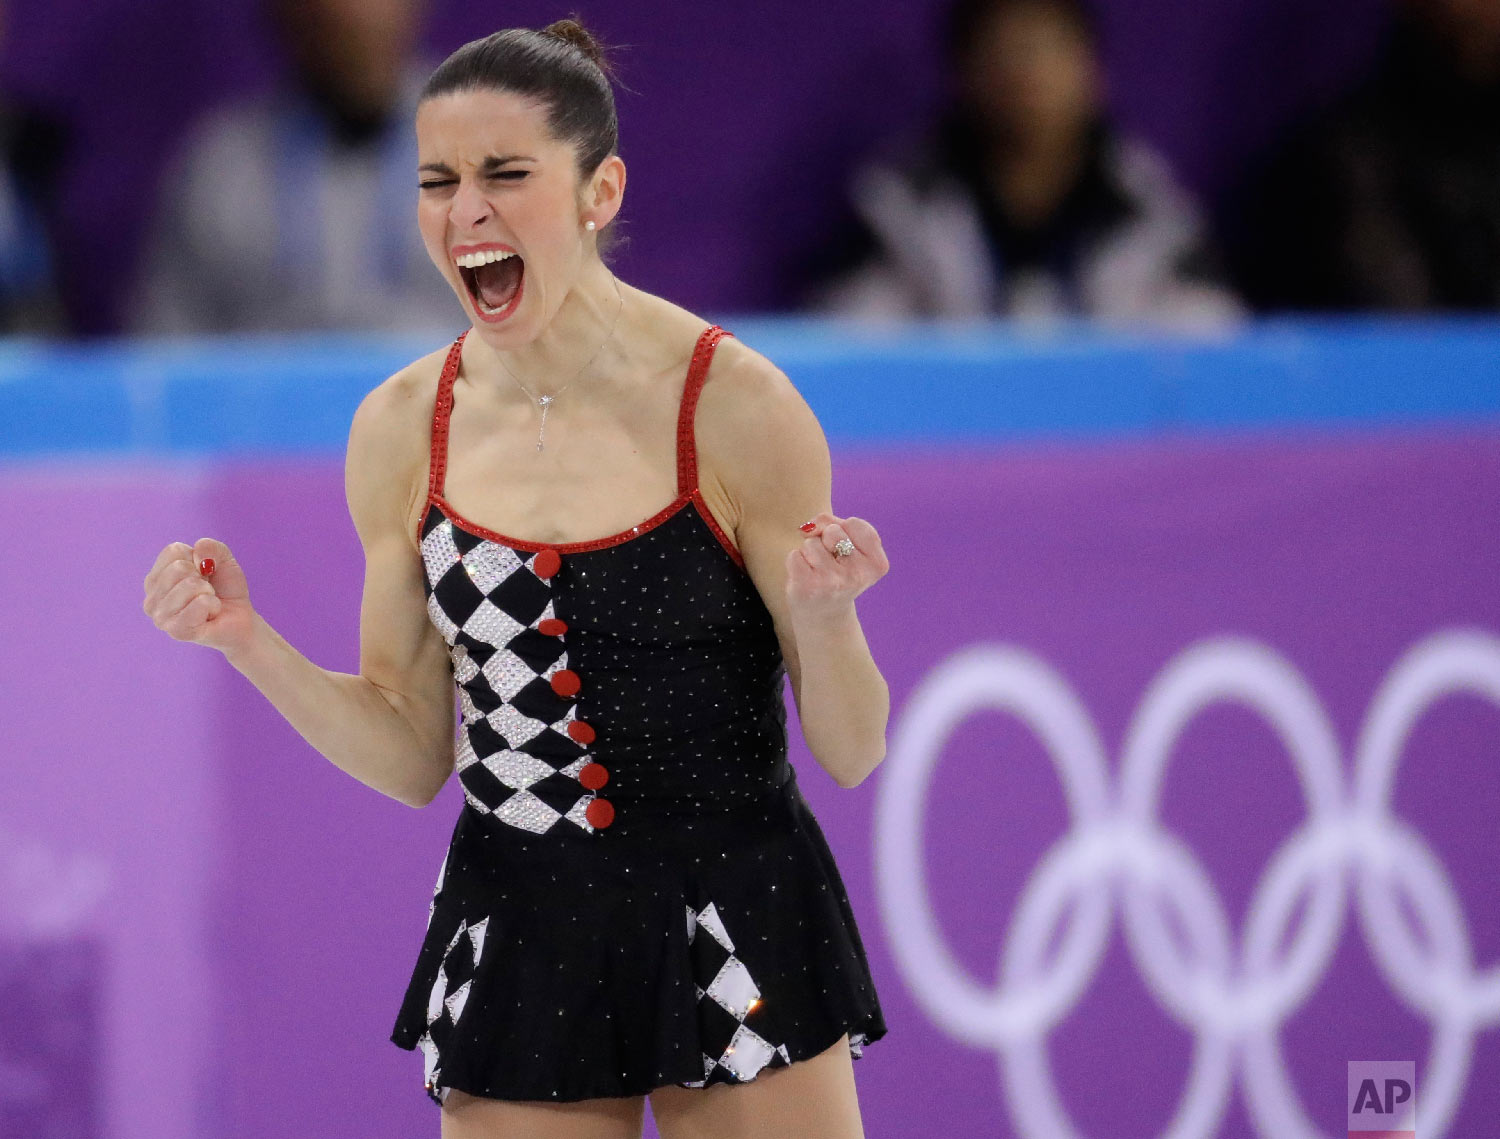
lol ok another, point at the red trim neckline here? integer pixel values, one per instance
(687, 464)
(636, 531)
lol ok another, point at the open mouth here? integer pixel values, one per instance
(493, 278)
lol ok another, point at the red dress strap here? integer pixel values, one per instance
(687, 454)
(438, 457)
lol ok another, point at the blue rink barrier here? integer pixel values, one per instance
(905, 384)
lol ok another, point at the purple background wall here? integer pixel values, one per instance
(258, 910)
(111, 827)
(752, 114)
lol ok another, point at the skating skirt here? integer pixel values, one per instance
(673, 947)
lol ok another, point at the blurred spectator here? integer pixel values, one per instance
(30, 149)
(298, 210)
(1027, 203)
(1391, 200)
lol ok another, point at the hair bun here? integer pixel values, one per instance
(573, 32)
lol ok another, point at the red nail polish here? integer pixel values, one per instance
(807, 527)
(206, 566)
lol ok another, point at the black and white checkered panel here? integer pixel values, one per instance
(438, 888)
(520, 789)
(450, 992)
(515, 759)
(727, 999)
(481, 594)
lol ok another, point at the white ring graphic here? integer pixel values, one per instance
(1233, 998)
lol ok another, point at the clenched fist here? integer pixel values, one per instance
(198, 593)
(822, 581)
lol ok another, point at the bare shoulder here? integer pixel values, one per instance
(739, 371)
(386, 465)
(755, 434)
(675, 332)
(402, 403)
(751, 415)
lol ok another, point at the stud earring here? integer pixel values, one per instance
(589, 225)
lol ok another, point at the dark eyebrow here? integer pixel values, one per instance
(493, 162)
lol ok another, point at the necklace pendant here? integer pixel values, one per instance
(544, 400)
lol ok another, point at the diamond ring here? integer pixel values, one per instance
(843, 548)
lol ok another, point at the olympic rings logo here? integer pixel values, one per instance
(1234, 998)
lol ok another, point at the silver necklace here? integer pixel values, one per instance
(545, 401)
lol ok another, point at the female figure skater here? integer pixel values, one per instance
(636, 900)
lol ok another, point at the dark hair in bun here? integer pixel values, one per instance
(573, 32)
(562, 65)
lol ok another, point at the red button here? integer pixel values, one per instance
(552, 627)
(546, 563)
(565, 682)
(600, 813)
(593, 776)
(583, 733)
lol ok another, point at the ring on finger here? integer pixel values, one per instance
(843, 548)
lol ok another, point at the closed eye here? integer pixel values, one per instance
(503, 175)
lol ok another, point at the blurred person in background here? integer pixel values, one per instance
(1026, 202)
(1391, 199)
(294, 211)
(31, 149)
(29, 301)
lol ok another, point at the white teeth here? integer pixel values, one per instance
(484, 257)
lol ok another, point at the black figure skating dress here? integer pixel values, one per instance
(636, 893)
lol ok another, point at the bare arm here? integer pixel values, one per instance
(391, 725)
(768, 451)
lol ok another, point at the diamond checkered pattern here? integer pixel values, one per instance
(730, 997)
(450, 992)
(514, 757)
